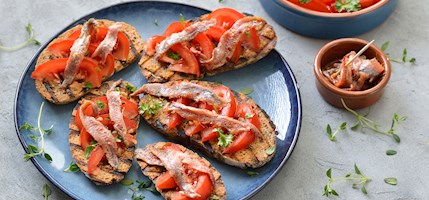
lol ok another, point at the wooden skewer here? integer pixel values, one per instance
(360, 52)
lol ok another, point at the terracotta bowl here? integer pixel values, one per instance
(354, 99)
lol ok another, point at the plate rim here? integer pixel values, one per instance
(72, 194)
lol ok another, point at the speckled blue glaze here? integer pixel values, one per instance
(326, 27)
(275, 88)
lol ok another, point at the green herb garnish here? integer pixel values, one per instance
(391, 181)
(270, 150)
(173, 55)
(30, 40)
(130, 87)
(35, 151)
(391, 152)
(366, 123)
(88, 85)
(182, 19)
(72, 168)
(304, 1)
(251, 173)
(88, 150)
(249, 116)
(356, 176)
(404, 59)
(155, 22)
(224, 139)
(332, 135)
(46, 191)
(246, 91)
(347, 5)
(100, 104)
(151, 106)
(385, 45)
(127, 181)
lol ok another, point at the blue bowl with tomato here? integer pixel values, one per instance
(329, 19)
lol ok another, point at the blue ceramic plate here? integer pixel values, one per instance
(275, 90)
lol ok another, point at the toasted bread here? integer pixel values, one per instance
(107, 174)
(51, 91)
(158, 71)
(252, 157)
(154, 171)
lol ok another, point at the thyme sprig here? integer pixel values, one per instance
(366, 123)
(30, 40)
(359, 179)
(332, 135)
(35, 151)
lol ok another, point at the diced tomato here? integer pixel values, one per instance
(130, 109)
(246, 112)
(130, 124)
(175, 119)
(105, 107)
(328, 1)
(85, 138)
(225, 17)
(215, 32)
(367, 3)
(208, 134)
(193, 128)
(242, 141)
(93, 75)
(316, 5)
(224, 92)
(108, 67)
(61, 46)
(105, 120)
(151, 44)
(175, 27)
(188, 62)
(95, 158)
(205, 44)
(165, 181)
(75, 35)
(204, 186)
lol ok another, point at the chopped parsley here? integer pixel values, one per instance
(130, 87)
(100, 104)
(88, 85)
(347, 5)
(72, 168)
(151, 106)
(173, 55)
(155, 22)
(90, 148)
(224, 139)
(304, 1)
(249, 115)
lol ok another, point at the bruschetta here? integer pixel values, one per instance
(103, 132)
(225, 124)
(220, 41)
(83, 56)
(179, 173)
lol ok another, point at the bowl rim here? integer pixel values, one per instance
(291, 5)
(346, 93)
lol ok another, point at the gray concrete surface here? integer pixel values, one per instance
(303, 176)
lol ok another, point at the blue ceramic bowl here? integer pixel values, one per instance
(328, 25)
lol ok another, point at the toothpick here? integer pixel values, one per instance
(360, 52)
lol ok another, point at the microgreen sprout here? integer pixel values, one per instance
(332, 135)
(404, 59)
(366, 123)
(359, 179)
(30, 40)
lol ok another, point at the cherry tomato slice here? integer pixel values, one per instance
(130, 109)
(165, 181)
(230, 108)
(94, 159)
(175, 27)
(253, 40)
(175, 119)
(208, 134)
(205, 44)
(316, 5)
(188, 63)
(215, 32)
(85, 138)
(367, 3)
(246, 112)
(204, 188)
(225, 17)
(61, 46)
(237, 53)
(242, 141)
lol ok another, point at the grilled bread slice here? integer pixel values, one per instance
(51, 90)
(156, 111)
(157, 70)
(153, 167)
(105, 174)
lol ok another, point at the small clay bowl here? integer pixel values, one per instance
(337, 49)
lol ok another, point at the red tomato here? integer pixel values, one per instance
(253, 40)
(246, 112)
(175, 27)
(105, 120)
(205, 44)
(367, 3)
(61, 46)
(215, 32)
(208, 134)
(225, 17)
(130, 124)
(108, 67)
(316, 5)
(242, 141)
(88, 111)
(85, 138)
(48, 69)
(204, 187)
(151, 44)
(193, 128)
(94, 159)
(205, 105)
(237, 53)
(175, 119)
(165, 181)
(105, 109)
(224, 92)
(130, 109)
(188, 62)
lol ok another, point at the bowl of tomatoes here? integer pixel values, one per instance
(329, 19)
